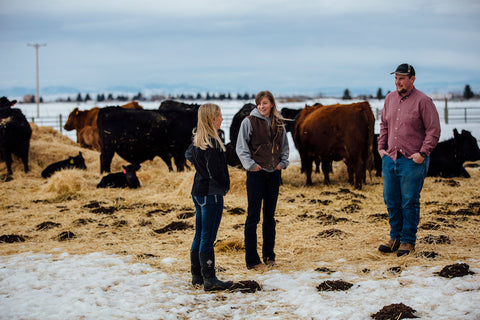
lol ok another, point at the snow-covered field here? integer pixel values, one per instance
(99, 286)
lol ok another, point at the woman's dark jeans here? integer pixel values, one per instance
(208, 214)
(263, 187)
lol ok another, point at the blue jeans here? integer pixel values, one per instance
(263, 187)
(402, 183)
(208, 214)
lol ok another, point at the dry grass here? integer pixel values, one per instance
(321, 226)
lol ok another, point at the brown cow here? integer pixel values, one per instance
(78, 120)
(333, 133)
(132, 105)
(88, 138)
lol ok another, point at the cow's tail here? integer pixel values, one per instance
(369, 161)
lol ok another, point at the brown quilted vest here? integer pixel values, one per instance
(265, 145)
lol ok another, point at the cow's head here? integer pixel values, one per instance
(78, 161)
(71, 122)
(5, 103)
(130, 172)
(466, 146)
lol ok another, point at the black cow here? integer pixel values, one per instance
(127, 178)
(6, 104)
(176, 105)
(232, 158)
(139, 135)
(77, 162)
(179, 106)
(447, 159)
(291, 117)
(15, 134)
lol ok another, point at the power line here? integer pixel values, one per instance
(37, 46)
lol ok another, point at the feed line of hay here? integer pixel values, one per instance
(67, 181)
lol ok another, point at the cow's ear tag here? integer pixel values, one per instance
(71, 161)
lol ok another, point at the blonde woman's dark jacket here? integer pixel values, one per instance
(211, 175)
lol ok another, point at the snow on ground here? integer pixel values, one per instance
(100, 286)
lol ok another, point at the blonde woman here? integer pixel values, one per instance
(211, 183)
(262, 147)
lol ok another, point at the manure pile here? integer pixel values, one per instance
(333, 227)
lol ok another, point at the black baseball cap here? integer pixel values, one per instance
(404, 69)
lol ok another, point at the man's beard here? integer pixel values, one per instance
(402, 91)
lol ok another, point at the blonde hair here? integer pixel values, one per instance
(206, 127)
(275, 116)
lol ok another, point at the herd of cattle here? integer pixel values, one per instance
(322, 134)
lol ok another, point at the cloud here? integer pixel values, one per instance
(238, 44)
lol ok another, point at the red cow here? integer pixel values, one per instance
(132, 105)
(77, 120)
(333, 133)
(88, 137)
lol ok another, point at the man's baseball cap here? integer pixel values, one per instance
(404, 69)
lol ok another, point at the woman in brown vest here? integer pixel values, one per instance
(262, 147)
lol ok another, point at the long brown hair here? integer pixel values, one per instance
(206, 127)
(275, 116)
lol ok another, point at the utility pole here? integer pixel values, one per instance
(36, 46)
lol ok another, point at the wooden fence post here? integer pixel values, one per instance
(60, 123)
(446, 110)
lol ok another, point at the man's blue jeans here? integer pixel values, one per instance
(402, 183)
(208, 214)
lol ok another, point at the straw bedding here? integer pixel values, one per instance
(334, 227)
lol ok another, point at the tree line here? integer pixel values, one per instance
(140, 97)
(467, 94)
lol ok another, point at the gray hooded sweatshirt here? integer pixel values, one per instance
(244, 136)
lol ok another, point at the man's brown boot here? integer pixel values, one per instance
(404, 249)
(390, 246)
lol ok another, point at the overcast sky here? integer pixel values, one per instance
(236, 46)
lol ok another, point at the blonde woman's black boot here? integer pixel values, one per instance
(210, 281)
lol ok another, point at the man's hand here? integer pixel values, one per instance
(417, 158)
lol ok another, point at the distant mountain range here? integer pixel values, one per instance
(177, 89)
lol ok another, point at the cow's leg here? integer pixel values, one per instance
(317, 166)
(8, 162)
(180, 162)
(359, 174)
(351, 173)
(106, 160)
(25, 162)
(326, 171)
(307, 168)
